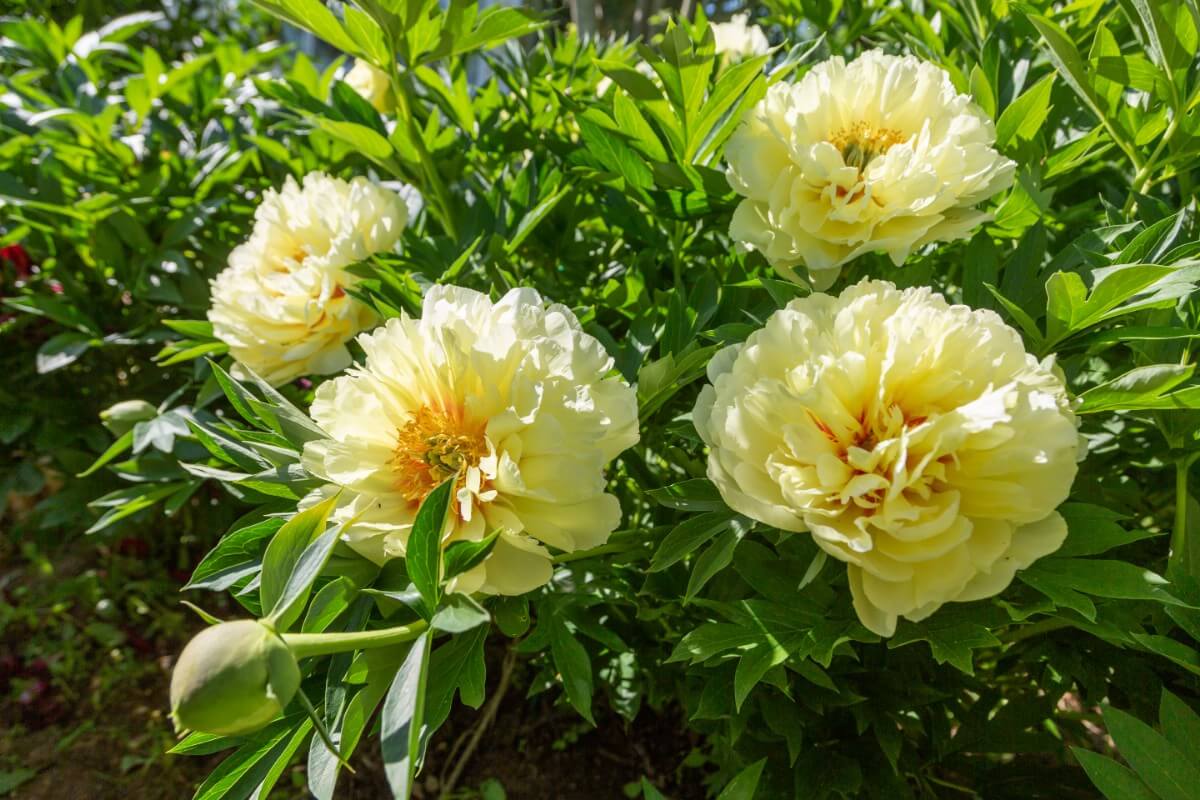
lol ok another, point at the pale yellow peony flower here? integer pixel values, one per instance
(514, 397)
(881, 154)
(373, 85)
(281, 304)
(739, 39)
(916, 440)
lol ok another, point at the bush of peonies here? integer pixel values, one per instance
(807, 389)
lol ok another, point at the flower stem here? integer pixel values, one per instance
(1036, 629)
(305, 645)
(434, 185)
(604, 549)
(1142, 181)
(1179, 562)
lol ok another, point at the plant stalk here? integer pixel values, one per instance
(1036, 629)
(434, 185)
(305, 645)
(1179, 560)
(1142, 180)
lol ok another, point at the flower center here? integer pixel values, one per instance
(860, 142)
(432, 447)
(875, 457)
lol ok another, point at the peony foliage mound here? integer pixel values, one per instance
(825, 373)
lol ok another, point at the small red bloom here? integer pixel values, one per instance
(16, 255)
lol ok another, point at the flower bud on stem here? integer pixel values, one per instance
(235, 677)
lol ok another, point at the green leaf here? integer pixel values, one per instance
(1180, 723)
(463, 556)
(62, 350)
(323, 766)
(953, 634)
(753, 666)
(193, 329)
(127, 502)
(239, 397)
(235, 557)
(1094, 529)
(649, 792)
(530, 221)
(745, 783)
(402, 718)
(123, 443)
(286, 547)
(512, 615)
(710, 639)
(1024, 117)
(287, 420)
(313, 16)
(697, 494)
(1115, 781)
(361, 138)
(1135, 388)
(1169, 772)
(1067, 61)
(240, 774)
(294, 597)
(982, 91)
(687, 536)
(459, 613)
(330, 603)
(456, 666)
(715, 558)
(658, 381)
(574, 667)
(1101, 578)
(423, 555)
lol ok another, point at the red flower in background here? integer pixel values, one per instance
(16, 255)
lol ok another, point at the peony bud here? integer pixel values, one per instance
(232, 679)
(373, 85)
(124, 415)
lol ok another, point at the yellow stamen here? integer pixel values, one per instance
(860, 143)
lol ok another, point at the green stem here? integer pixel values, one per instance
(305, 645)
(434, 185)
(1178, 562)
(1142, 180)
(1036, 629)
(604, 549)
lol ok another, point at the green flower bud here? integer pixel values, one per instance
(124, 415)
(233, 678)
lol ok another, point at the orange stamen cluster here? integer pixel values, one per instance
(432, 447)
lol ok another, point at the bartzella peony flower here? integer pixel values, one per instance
(373, 85)
(281, 305)
(513, 398)
(881, 154)
(739, 39)
(915, 439)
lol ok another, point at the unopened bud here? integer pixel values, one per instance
(233, 678)
(125, 414)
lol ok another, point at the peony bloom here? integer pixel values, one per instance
(881, 154)
(513, 397)
(281, 304)
(739, 39)
(917, 441)
(373, 85)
